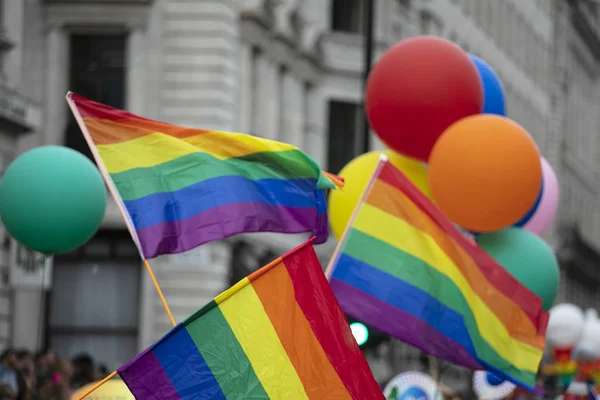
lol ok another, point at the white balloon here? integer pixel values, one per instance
(565, 326)
(588, 347)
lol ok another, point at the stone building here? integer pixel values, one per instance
(20, 118)
(289, 70)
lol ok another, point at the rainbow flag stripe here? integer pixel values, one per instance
(406, 270)
(277, 334)
(182, 187)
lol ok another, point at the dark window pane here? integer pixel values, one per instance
(347, 16)
(343, 134)
(94, 305)
(97, 71)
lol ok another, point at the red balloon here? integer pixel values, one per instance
(417, 89)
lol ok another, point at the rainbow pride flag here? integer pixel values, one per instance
(403, 268)
(181, 187)
(277, 334)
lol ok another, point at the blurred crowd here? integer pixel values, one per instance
(44, 376)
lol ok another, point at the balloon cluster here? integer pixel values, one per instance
(441, 112)
(574, 340)
(52, 199)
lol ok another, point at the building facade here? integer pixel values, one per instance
(290, 70)
(20, 119)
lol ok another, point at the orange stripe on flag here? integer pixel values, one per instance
(105, 132)
(297, 337)
(394, 202)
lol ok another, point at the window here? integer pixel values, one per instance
(6, 44)
(245, 259)
(345, 120)
(347, 16)
(430, 25)
(94, 300)
(97, 71)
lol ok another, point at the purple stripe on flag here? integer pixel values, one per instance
(146, 378)
(224, 221)
(396, 322)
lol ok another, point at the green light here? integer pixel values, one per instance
(360, 332)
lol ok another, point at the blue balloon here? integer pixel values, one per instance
(532, 211)
(414, 393)
(493, 380)
(494, 99)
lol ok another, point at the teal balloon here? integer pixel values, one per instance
(528, 258)
(52, 199)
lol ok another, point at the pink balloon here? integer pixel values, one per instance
(546, 211)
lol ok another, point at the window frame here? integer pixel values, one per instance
(114, 239)
(357, 134)
(66, 17)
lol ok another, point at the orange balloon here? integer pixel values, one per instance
(485, 172)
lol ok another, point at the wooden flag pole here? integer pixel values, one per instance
(165, 305)
(160, 293)
(97, 385)
(115, 194)
(263, 270)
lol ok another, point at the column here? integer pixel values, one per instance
(265, 104)
(28, 309)
(28, 301)
(13, 63)
(57, 81)
(259, 71)
(272, 101)
(297, 112)
(558, 94)
(316, 117)
(136, 53)
(246, 84)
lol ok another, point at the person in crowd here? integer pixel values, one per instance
(25, 374)
(84, 372)
(43, 365)
(8, 372)
(6, 393)
(59, 386)
(101, 373)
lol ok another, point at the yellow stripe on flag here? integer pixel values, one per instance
(400, 234)
(157, 148)
(251, 325)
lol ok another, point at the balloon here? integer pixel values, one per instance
(565, 326)
(357, 174)
(114, 389)
(52, 199)
(493, 379)
(417, 89)
(533, 209)
(588, 347)
(545, 213)
(528, 258)
(493, 92)
(485, 173)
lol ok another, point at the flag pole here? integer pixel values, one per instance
(159, 291)
(255, 275)
(329, 270)
(97, 385)
(113, 191)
